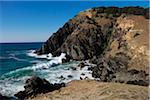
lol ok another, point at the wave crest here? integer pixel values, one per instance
(53, 60)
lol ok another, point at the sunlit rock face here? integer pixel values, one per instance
(112, 38)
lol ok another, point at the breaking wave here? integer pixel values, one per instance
(52, 69)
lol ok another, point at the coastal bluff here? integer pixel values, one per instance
(115, 39)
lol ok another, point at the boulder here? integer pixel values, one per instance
(81, 65)
(36, 85)
(73, 68)
(70, 76)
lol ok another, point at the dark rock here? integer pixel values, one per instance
(36, 85)
(3, 97)
(81, 78)
(105, 69)
(138, 82)
(73, 68)
(90, 68)
(133, 71)
(108, 70)
(86, 78)
(62, 77)
(21, 95)
(67, 59)
(70, 76)
(132, 77)
(81, 38)
(83, 74)
(81, 65)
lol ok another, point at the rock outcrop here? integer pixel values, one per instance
(115, 39)
(36, 85)
(113, 70)
(4, 97)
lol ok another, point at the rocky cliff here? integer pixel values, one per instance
(115, 39)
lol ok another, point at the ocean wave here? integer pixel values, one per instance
(44, 56)
(15, 58)
(13, 81)
(10, 86)
(52, 61)
(11, 56)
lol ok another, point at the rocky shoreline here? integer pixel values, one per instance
(36, 85)
(115, 39)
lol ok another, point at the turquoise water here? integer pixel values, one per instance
(18, 63)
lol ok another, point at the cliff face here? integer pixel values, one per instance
(125, 58)
(81, 37)
(116, 39)
(88, 33)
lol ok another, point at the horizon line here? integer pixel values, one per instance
(24, 42)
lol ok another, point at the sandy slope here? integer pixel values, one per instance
(92, 90)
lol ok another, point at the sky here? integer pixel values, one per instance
(35, 21)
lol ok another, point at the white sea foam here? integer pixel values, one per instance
(52, 62)
(43, 56)
(61, 74)
(10, 84)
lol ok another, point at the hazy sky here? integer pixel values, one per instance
(32, 21)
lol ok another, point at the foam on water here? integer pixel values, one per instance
(51, 69)
(44, 56)
(10, 86)
(54, 61)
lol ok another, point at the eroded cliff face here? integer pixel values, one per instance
(81, 37)
(125, 58)
(130, 39)
(118, 43)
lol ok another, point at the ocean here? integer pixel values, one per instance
(18, 63)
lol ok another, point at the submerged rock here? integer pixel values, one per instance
(70, 76)
(3, 97)
(73, 68)
(81, 65)
(82, 74)
(36, 85)
(62, 77)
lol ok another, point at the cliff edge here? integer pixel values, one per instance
(115, 39)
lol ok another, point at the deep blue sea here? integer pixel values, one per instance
(13, 55)
(18, 63)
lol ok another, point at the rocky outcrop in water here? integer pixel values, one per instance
(36, 85)
(115, 39)
(3, 97)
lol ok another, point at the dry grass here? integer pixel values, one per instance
(93, 90)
